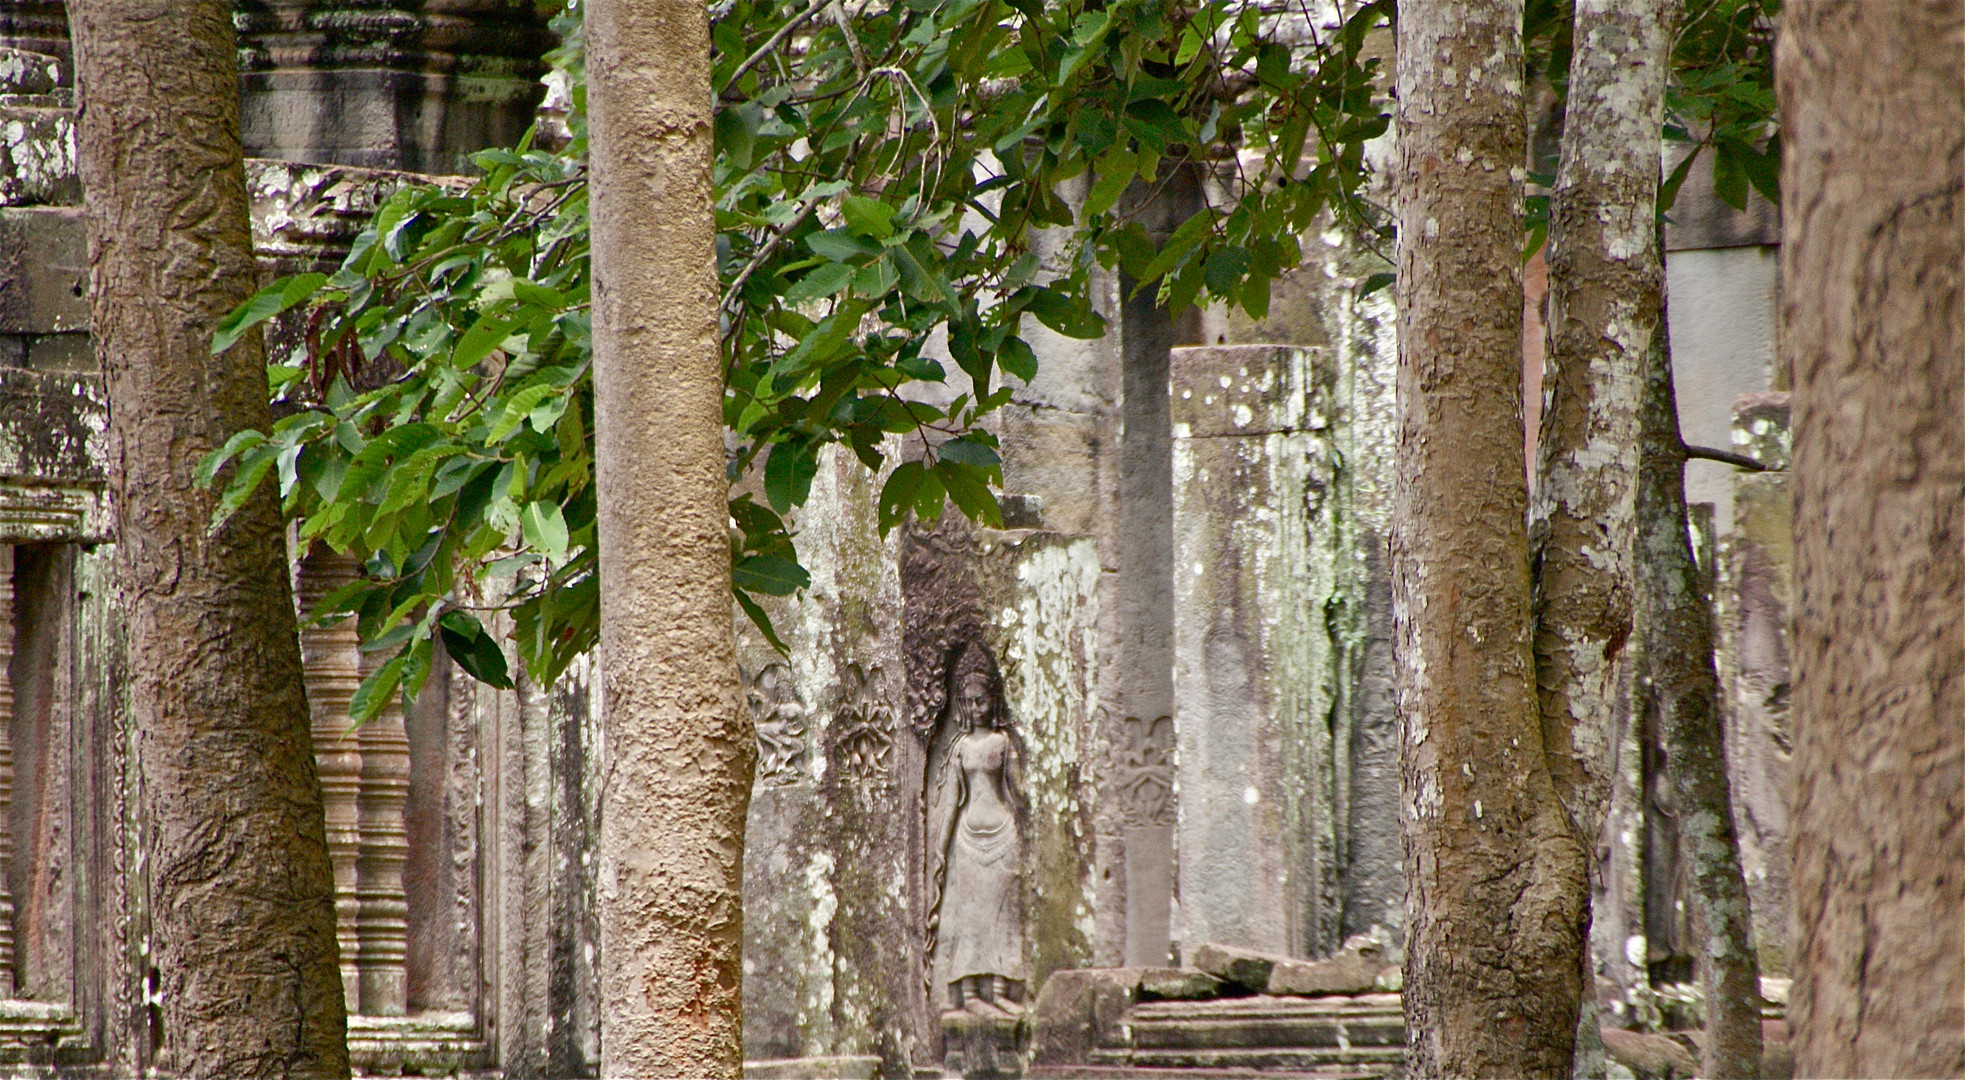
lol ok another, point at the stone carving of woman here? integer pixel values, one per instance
(975, 920)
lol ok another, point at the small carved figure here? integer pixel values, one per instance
(780, 720)
(975, 922)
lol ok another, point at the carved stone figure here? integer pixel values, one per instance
(780, 719)
(975, 917)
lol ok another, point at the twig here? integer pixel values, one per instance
(1725, 457)
(773, 42)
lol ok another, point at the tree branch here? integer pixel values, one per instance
(1725, 457)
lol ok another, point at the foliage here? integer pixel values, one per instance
(1720, 96)
(880, 179)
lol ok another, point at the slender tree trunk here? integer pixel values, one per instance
(1606, 298)
(1871, 313)
(1496, 878)
(1678, 690)
(241, 892)
(1606, 285)
(679, 752)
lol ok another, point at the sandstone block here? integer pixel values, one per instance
(1356, 969)
(1650, 1057)
(1079, 1011)
(1177, 984)
(1244, 968)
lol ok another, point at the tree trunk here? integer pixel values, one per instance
(1678, 692)
(1606, 285)
(1606, 297)
(1871, 312)
(679, 753)
(1496, 878)
(241, 892)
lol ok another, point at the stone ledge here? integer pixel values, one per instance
(840, 1067)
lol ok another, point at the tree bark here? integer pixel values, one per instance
(1871, 312)
(241, 892)
(679, 752)
(1606, 298)
(1606, 284)
(1678, 695)
(1496, 877)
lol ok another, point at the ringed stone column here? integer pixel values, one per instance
(383, 909)
(6, 770)
(332, 658)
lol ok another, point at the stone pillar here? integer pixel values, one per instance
(332, 659)
(1254, 668)
(382, 920)
(1753, 598)
(7, 979)
(1146, 601)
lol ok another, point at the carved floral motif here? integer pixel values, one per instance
(1145, 771)
(863, 726)
(780, 719)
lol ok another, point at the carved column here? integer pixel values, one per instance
(332, 657)
(6, 770)
(383, 923)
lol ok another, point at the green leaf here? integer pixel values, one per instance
(868, 217)
(214, 461)
(823, 280)
(1071, 316)
(762, 621)
(897, 494)
(263, 305)
(1015, 357)
(544, 528)
(474, 649)
(788, 475)
(1116, 171)
(1374, 283)
(771, 575)
(840, 245)
(967, 451)
(484, 335)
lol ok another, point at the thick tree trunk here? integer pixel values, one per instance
(1871, 312)
(1496, 878)
(1606, 282)
(1678, 695)
(241, 892)
(679, 752)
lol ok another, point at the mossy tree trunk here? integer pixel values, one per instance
(241, 893)
(679, 753)
(1677, 691)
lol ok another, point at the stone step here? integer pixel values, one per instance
(1267, 1023)
(1364, 1062)
(1113, 1071)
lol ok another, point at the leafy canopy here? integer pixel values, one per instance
(880, 178)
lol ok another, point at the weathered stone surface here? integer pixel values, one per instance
(390, 86)
(44, 267)
(1081, 1010)
(1255, 665)
(1177, 984)
(24, 72)
(985, 1041)
(1354, 970)
(1243, 968)
(1648, 1056)
(1753, 595)
(37, 150)
(840, 1067)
